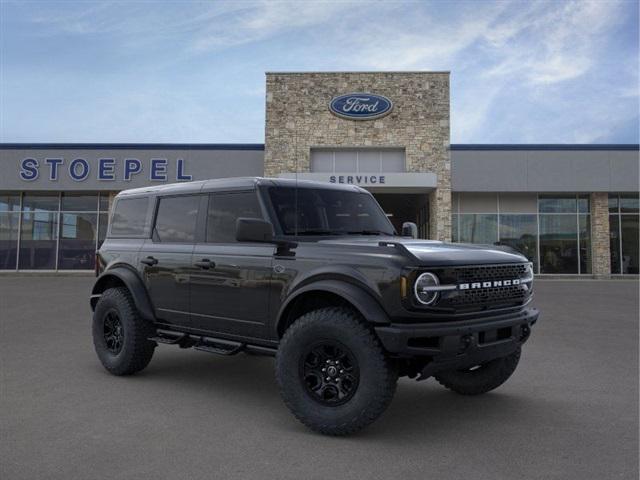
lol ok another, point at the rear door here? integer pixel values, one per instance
(166, 257)
(230, 292)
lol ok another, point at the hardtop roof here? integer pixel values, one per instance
(233, 183)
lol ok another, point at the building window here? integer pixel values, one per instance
(478, 228)
(352, 160)
(520, 231)
(552, 231)
(565, 234)
(9, 223)
(78, 230)
(623, 233)
(51, 230)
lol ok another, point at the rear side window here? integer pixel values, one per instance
(225, 209)
(130, 217)
(176, 219)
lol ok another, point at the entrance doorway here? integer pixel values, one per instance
(409, 207)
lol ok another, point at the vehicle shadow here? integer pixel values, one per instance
(419, 409)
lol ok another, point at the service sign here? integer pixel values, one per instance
(360, 106)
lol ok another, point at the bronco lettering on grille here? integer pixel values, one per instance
(488, 284)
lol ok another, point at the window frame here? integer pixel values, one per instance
(618, 214)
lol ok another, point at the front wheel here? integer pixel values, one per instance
(480, 378)
(332, 372)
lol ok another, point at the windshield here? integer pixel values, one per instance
(328, 212)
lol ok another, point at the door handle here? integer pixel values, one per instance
(149, 261)
(205, 264)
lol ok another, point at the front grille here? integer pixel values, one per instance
(483, 298)
(479, 273)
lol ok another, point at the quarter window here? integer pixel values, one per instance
(176, 219)
(129, 217)
(225, 209)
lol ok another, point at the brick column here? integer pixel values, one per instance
(440, 215)
(600, 250)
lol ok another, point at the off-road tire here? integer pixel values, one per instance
(136, 350)
(377, 375)
(485, 378)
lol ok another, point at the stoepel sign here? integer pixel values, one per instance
(360, 106)
(106, 169)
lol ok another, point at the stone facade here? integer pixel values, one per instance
(600, 248)
(298, 119)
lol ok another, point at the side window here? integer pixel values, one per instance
(129, 217)
(225, 209)
(176, 219)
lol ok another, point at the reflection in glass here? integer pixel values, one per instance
(454, 228)
(40, 202)
(558, 244)
(613, 203)
(583, 204)
(557, 204)
(478, 228)
(8, 240)
(79, 202)
(585, 243)
(521, 233)
(38, 240)
(9, 202)
(77, 241)
(104, 201)
(629, 203)
(614, 242)
(630, 245)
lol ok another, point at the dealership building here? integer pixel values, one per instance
(571, 209)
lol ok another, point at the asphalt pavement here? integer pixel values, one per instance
(569, 412)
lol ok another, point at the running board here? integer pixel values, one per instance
(219, 350)
(168, 337)
(219, 346)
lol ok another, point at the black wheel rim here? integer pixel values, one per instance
(113, 332)
(329, 373)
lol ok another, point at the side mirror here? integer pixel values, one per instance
(254, 230)
(409, 229)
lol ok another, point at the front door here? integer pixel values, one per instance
(230, 291)
(166, 258)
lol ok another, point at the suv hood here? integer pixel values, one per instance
(436, 253)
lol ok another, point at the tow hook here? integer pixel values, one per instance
(465, 343)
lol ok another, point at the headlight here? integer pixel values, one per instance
(425, 288)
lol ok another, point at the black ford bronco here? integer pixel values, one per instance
(316, 275)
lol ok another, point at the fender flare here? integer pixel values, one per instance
(357, 296)
(134, 284)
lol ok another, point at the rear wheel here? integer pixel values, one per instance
(480, 378)
(120, 335)
(332, 373)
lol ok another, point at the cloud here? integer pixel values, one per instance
(521, 71)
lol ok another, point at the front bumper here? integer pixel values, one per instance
(453, 345)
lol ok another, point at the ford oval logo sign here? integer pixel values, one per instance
(360, 106)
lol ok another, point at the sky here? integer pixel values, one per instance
(179, 71)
